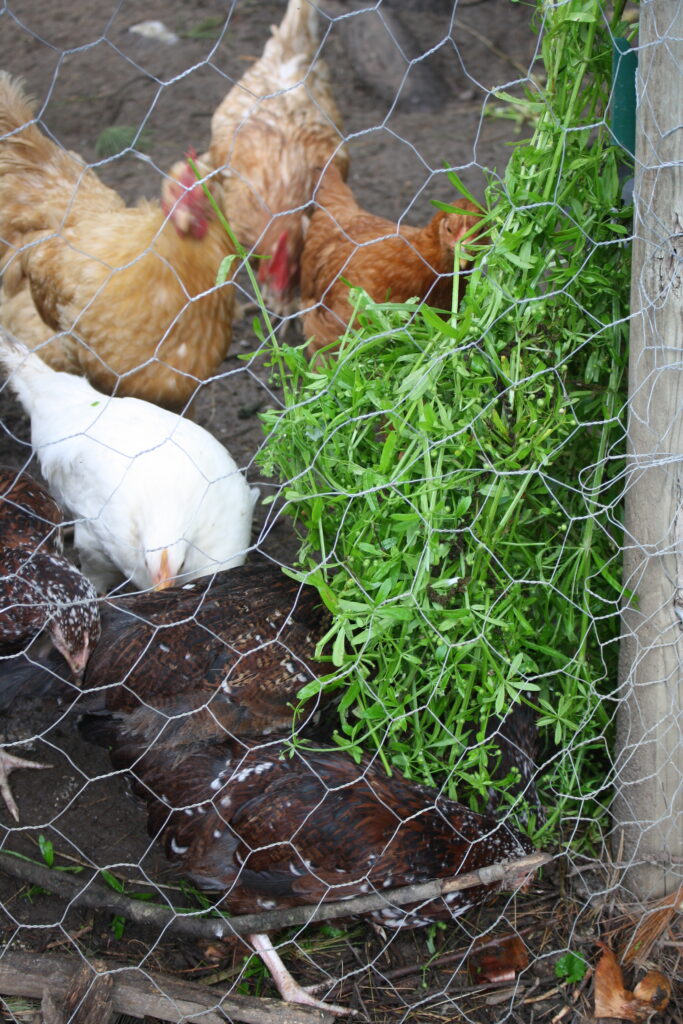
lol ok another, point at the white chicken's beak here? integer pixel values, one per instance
(163, 577)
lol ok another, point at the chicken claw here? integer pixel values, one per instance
(8, 762)
(289, 989)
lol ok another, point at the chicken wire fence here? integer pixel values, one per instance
(469, 501)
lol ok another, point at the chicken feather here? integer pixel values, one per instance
(153, 495)
(132, 287)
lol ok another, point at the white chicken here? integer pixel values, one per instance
(154, 497)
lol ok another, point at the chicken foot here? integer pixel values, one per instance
(8, 762)
(289, 989)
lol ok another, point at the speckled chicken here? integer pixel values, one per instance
(267, 829)
(203, 662)
(39, 589)
(28, 512)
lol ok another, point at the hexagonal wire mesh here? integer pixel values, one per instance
(448, 488)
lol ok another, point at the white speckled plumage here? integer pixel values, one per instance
(39, 590)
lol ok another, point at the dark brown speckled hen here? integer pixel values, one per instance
(39, 589)
(267, 829)
(28, 512)
(280, 831)
(223, 656)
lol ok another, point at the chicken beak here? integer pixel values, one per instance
(76, 660)
(163, 578)
(182, 218)
(77, 663)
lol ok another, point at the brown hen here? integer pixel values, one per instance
(132, 288)
(270, 135)
(392, 262)
(267, 828)
(201, 662)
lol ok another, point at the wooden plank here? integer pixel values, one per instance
(141, 993)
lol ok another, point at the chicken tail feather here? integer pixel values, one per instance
(21, 365)
(298, 30)
(24, 145)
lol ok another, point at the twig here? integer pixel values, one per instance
(69, 939)
(141, 993)
(525, 72)
(544, 995)
(440, 962)
(90, 893)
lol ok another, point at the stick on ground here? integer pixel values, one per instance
(91, 893)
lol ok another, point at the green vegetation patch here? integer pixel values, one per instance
(457, 481)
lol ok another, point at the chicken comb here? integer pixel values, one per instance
(276, 269)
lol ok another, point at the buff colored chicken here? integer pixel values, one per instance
(154, 496)
(347, 245)
(269, 136)
(131, 287)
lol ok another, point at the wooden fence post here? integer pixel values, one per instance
(649, 756)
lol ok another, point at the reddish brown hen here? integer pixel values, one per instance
(391, 262)
(267, 829)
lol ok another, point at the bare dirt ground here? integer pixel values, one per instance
(403, 121)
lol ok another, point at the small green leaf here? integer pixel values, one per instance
(338, 649)
(387, 454)
(112, 880)
(47, 850)
(207, 28)
(571, 967)
(461, 187)
(225, 268)
(118, 137)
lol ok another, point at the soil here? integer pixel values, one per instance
(414, 83)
